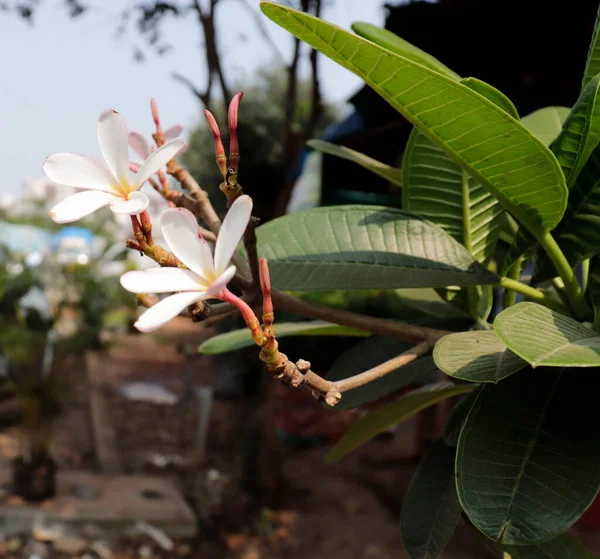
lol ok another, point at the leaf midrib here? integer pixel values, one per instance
(533, 441)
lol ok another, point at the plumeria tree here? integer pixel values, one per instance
(498, 231)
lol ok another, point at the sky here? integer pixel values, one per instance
(59, 74)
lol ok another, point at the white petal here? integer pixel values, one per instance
(79, 205)
(231, 232)
(160, 280)
(112, 137)
(180, 230)
(78, 171)
(134, 205)
(166, 310)
(221, 281)
(157, 160)
(139, 144)
(173, 132)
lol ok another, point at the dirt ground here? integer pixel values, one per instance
(348, 510)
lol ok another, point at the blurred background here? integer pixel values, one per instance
(117, 444)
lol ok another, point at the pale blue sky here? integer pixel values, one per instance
(58, 75)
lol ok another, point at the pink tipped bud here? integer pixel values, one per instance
(232, 120)
(265, 285)
(219, 149)
(154, 108)
(232, 117)
(212, 125)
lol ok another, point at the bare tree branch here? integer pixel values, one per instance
(203, 97)
(259, 21)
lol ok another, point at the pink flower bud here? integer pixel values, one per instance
(232, 120)
(219, 149)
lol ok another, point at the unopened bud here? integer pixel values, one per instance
(232, 120)
(265, 285)
(154, 108)
(219, 149)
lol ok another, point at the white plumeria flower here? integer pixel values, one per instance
(206, 277)
(143, 147)
(109, 181)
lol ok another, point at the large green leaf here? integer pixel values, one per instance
(428, 301)
(382, 418)
(478, 356)
(430, 510)
(364, 247)
(592, 67)
(398, 45)
(580, 133)
(561, 547)
(544, 337)
(492, 146)
(370, 353)
(238, 339)
(528, 458)
(571, 148)
(546, 124)
(436, 188)
(387, 172)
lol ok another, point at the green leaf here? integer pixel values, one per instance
(387, 172)
(364, 247)
(368, 354)
(428, 301)
(238, 339)
(436, 188)
(377, 421)
(478, 356)
(546, 124)
(457, 417)
(492, 94)
(430, 510)
(573, 148)
(592, 67)
(528, 459)
(544, 337)
(580, 133)
(578, 234)
(561, 547)
(398, 45)
(492, 147)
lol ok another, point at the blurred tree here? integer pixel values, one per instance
(148, 17)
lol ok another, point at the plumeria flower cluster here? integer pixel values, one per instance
(205, 278)
(106, 182)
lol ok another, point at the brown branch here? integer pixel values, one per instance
(203, 96)
(213, 61)
(300, 373)
(202, 207)
(259, 23)
(383, 369)
(250, 244)
(379, 326)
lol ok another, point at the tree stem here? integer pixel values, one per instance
(383, 369)
(533, 294)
